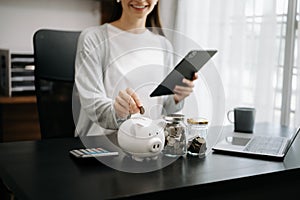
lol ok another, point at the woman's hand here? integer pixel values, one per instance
(127, 102)
(181, 92)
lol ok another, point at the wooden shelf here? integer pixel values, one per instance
(19, 119)
(17, 100)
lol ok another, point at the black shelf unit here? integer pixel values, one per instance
(16, 73)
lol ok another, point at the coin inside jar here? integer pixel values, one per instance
(142, 110)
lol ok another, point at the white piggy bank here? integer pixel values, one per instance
(142, 137)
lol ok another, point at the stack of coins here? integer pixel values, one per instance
(175, 136)
(197, 133)
(197, 147)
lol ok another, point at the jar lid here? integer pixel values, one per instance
(174, 117)
(197, 121)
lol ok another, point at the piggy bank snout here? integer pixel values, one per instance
(155, 145)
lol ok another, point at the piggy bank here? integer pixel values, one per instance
(142, 138)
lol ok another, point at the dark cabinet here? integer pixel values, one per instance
(19, 119)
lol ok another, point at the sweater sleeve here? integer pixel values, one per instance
(89, 68)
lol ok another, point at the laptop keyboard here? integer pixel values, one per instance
(266, 145)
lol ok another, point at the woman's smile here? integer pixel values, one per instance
(139, 7)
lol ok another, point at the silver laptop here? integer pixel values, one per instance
(274, 147)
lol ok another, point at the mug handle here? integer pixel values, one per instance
(228, 116)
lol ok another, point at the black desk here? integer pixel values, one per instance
(38, 170)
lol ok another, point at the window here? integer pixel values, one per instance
(258, 52)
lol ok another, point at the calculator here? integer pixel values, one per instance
(92, 152)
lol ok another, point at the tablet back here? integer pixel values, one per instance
(186, 68)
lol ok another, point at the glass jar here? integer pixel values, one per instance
(175, 136)
(197, 135)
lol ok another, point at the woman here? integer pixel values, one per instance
(118, 64)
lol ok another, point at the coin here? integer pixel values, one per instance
(142, 110)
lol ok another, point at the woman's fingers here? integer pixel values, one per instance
(182, 92)
(135, 102)
(127, 102)
(195, 76)
(185, 89)
(122, 105)
(134, 96)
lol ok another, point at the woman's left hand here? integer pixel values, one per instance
(181, 92)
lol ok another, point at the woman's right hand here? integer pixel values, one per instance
(127, 102)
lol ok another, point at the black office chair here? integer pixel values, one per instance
(54, 56)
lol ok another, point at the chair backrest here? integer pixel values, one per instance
(54, 57)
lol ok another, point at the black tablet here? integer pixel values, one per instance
(186, 68)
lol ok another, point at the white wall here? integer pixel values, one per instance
(19, 19)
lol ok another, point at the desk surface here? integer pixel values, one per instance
(44, 170)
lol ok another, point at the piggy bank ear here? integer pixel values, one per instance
(160, 123)
(142, 121)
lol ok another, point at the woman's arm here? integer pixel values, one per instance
(89, 79)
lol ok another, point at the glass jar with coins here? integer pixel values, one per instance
(197, 134)
(175, 136)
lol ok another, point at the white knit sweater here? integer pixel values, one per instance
(109, 60)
